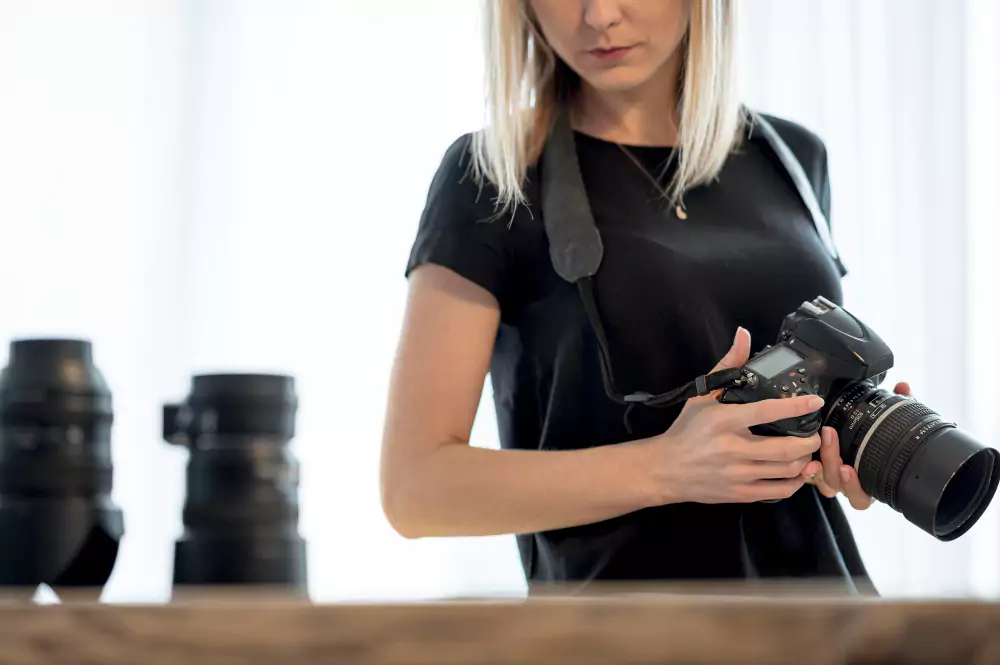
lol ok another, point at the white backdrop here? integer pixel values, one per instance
(234, 185)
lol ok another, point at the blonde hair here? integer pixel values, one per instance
(524, 78)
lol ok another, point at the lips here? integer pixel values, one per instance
(612, 53)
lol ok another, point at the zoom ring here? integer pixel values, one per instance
(882, 443)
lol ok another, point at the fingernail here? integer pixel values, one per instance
(736, 337)
(816, 402)
(845, 474)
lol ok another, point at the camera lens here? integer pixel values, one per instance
(241, 508)
(907, 456)
(58, 525)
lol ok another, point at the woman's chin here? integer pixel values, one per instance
(618, 79)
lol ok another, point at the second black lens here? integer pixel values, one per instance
(241, 508)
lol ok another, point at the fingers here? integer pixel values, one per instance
(739, 416)
(756, 470)
(813, 468)
(820, 484)
(838, 477)
(849, 484)
(903, 388)
(737, 356)
(829, 454)
(781, 473)
(851, 487)
(739, 352)
(770, 490)
(777, 448)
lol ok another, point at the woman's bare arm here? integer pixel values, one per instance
(433, 482)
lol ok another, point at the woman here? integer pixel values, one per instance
(703, 236)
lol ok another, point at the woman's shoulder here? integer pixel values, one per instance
(807, 146)
(454, 181)
(457, 185)
(463, 228)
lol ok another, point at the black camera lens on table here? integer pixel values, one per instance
(241, 507)
(58, 524)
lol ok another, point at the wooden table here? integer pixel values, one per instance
(605, 629)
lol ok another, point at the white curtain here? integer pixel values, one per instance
(234, 185)
(906, 94)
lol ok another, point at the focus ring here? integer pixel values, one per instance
(883, 440)
(234, 514)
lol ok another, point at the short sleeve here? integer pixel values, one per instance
(459, 227)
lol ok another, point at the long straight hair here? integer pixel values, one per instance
(524, 80)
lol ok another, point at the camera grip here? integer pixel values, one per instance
(802, 427)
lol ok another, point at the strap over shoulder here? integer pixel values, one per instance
(575, 245)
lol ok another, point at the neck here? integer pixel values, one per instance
(644, 115)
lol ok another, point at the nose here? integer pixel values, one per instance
(602, 15)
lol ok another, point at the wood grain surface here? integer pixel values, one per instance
(642, 629)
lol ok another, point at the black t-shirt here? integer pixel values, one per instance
(671, 294)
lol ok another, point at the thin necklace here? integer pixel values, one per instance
(680, 211)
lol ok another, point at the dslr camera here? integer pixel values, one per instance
(906, 455)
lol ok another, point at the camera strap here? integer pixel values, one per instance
(576, 248)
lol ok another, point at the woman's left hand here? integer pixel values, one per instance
(831, 476)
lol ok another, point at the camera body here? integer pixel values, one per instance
(821, 350)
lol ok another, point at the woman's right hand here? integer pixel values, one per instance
(709, 454)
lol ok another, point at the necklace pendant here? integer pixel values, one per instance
(680, 212)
